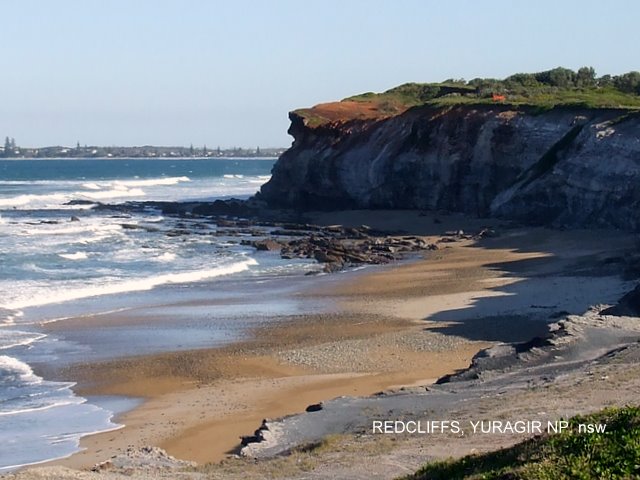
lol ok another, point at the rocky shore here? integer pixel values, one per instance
(335, 247)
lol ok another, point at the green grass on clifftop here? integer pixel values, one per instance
(551, 88)
(411, 95)
(614, 454)
(414, 94)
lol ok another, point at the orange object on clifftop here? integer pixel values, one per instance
(499, 98)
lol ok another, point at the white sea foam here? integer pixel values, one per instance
(8, 317)
(260, 179)
(25, 199)
(58, 229)
(14, 371)
(74, 256)
(151, 182)
(62, 403)
(141, 284)
(11, 338)
(90, 185)
(92, 191)
(100, 232)
(117, 192)
(166, 257)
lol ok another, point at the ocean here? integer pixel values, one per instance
(60, 259)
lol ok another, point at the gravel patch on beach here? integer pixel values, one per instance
(365, 354)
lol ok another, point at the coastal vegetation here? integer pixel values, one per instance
(614, 454)
(550, 88)
(558, 87)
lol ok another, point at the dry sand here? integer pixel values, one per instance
(399, 325)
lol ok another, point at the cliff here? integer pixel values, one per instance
(563, 166)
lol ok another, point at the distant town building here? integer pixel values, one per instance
(11, 150)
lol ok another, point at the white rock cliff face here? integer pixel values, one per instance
(565, 166)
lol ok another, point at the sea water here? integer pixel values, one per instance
(59, 258)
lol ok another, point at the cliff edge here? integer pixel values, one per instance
(566, 166)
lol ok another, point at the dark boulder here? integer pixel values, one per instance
(327, 257)
(80, 202)
(314, 407)
(267, 245)
(231, 207)
(629, 305)
(258, 435)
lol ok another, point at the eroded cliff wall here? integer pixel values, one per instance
(564, 166)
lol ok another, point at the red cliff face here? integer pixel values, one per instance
(564, 166)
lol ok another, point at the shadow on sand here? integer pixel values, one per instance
(576, 270)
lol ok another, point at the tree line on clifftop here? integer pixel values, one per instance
(563, 78)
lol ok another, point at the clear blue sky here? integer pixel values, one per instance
(175, 72)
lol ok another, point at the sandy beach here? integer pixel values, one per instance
(398, 325)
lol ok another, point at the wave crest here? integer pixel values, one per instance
(152, 182)
(141, 284)
(74, 256)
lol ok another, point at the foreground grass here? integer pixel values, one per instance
(335, 450)
(614, 454)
